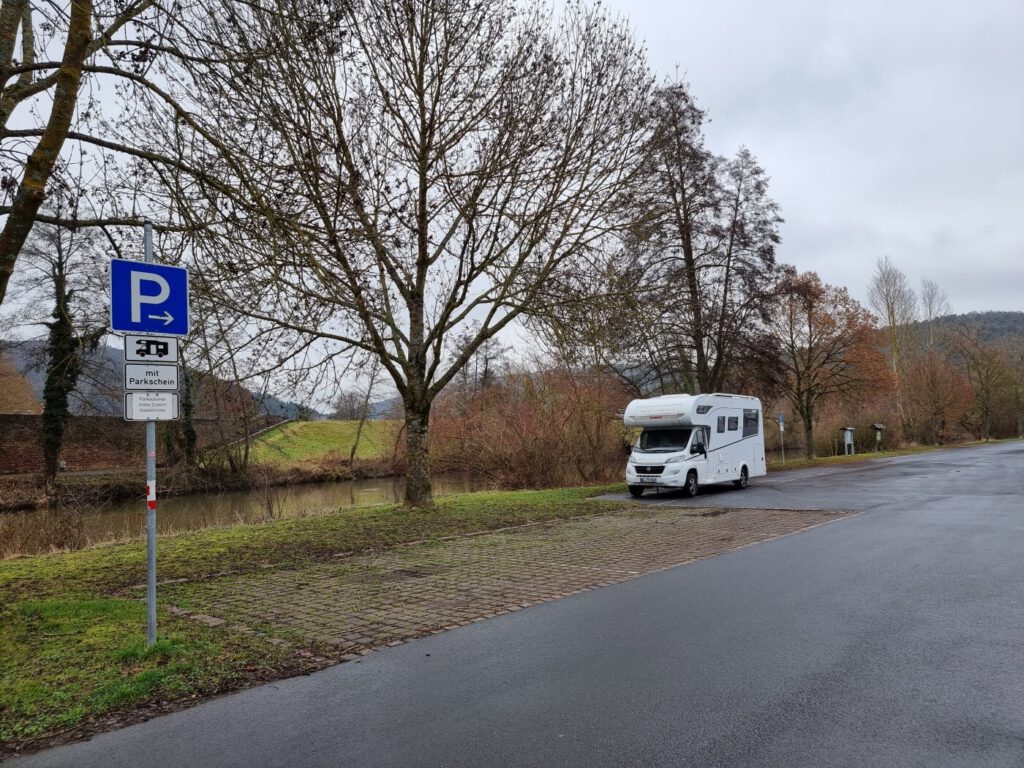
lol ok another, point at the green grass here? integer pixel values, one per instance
(315, 441)
(112, 569)
(72, 625)
(799, 462)
(66, 660)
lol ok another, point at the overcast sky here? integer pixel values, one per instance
(887, 127)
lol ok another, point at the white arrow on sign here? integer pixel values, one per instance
(167, 317)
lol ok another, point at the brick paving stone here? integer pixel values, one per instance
(363, 601)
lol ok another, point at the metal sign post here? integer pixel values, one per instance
(150, 496)
(149, 303)
(782, 437)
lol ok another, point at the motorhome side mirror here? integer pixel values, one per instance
(698, 449)
(627, 449)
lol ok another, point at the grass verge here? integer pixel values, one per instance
(72, 629)
(799, 462)
(67, 662)
(238, 549)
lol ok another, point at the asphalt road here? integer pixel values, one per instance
(894, 637)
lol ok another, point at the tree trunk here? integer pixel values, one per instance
(188, 424)
(62, 369)
(39, 166)
(364, 414)
(701, 374)
(808, 436)
(418, 491)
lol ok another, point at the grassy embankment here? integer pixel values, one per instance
(72, 625)
(305, 442)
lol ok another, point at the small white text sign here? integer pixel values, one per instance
(150, 406)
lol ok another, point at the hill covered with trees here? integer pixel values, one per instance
(991, 326)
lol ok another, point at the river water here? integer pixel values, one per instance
(42, 530)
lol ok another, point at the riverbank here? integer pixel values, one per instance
(247, 604)
(93, 489)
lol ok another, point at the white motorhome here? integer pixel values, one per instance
(693, 440)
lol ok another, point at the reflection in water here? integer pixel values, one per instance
(35, 531)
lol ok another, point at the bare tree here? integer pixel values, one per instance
(47, 52)
(895, 304)
(686, 297)
(934, 304)
(373, 377)
(1013, 354)
(712, 232)
(483, 367)
(985, 369)
(610, 316)
(348, 404)
(939, 398)
(407, 170)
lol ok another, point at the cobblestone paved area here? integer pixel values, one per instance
(364, 601)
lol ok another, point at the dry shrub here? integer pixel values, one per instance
(935, 411)
(534, 430)
(44, 530)
(938, 401)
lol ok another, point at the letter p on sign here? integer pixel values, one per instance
(148, 298)
(139, 298)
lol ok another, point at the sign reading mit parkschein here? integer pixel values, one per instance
(150, 376)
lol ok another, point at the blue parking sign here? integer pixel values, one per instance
(148, 298)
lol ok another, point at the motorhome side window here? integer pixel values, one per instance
(749, 423)
(734, 423)
(721, 423)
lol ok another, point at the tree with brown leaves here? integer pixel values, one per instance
(828, 346)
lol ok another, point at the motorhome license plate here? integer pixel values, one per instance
(648, 478)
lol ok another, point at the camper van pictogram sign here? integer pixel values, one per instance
(157, 349)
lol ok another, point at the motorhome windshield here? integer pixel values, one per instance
(664, 440)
